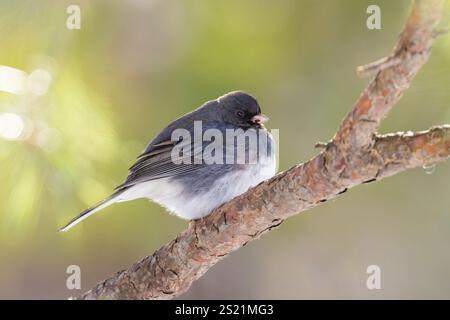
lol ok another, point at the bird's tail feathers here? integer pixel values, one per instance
(85, 214)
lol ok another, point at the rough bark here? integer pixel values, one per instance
(356, 155)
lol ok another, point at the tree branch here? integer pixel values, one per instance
(356, 155)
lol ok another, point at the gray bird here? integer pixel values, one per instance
(189, 177)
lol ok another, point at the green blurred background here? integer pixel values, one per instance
(77, 107)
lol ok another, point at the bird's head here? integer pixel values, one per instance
(242, 110)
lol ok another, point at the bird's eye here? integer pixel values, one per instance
(240, 113)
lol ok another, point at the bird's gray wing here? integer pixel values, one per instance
(157, 163)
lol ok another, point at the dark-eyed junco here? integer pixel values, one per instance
(201, 160)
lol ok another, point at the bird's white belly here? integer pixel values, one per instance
(170, 193)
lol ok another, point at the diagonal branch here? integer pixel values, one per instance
(356, 155)
(394, 76)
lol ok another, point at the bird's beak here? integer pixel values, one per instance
(259, 119)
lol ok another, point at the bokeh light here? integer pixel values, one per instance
(39, 81)
(12, 80)
(11, 126)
